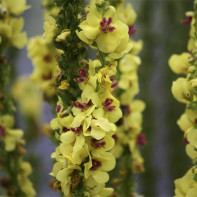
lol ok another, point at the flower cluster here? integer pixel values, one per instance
(10, 136)
(44, 57)
(13, 142)
(105, 32)
(50, 9)
(130, 126)
(86, 131)
(10, 24)
(14, 170)
(184, 91)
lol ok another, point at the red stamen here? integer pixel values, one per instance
(111, 108)
(2, 131)
(47, 58)
(83, 75)
(95, 164)
(77, 130)
(78, 105)
(141, 139)
(115, 137)
(79, 80)
(127, 110)
(185, 141)
(132, 30)
(98, 143)
(105, 25)
(58, 108)
(108, 102)
(187, 20)
(47, 77)
(64, 129)
(114, 83)
(107, 105)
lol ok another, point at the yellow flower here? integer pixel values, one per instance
(72, 146)
(45, 63)
(24, 182)
(98, 166)
(186, 186)
(134, 118)
(51, 9)
(62, 122)
(15, 7)
(11, 30)
(64, 85)
(98, 128)
(63, 36)
(120, 139)
(128, 66)
(181, 90)
(128, 15)
(97, 190)
(110, 34)
(104, 75)
(192, 44)
(192, 136)
(191, 151)
(109, 107)
(10, 136)
(50, 29)
(62, 170)
(136, 47)
(179, 63)
(184, 122)
(104, 144)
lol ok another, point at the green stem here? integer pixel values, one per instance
(126, 186)
(74, 50)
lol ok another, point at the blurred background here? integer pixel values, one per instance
(158, 25)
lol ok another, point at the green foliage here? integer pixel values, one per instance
(115, 3)
(73, 47)
(11, 166)
(79, 190)
(6, 105)
(126, 186)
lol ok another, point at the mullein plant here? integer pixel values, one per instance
(87, 109)
(184, 89)
(129, 136)
(14, 170)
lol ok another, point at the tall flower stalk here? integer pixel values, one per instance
(184, 91)
(15, 170)
(125, 86)
(88, 111)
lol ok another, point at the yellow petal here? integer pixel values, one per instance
(100, 176)
(181, 90)
(179, 63)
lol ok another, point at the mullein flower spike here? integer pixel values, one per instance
(86, 130)
(184, 91)
(15, 170)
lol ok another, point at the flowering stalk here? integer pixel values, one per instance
(129, 136)
(85, 130)
(184, 90)
(15, 171)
